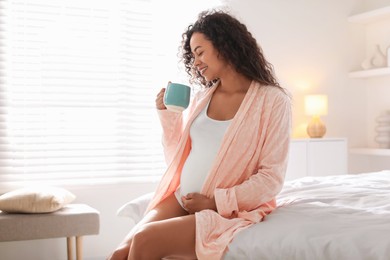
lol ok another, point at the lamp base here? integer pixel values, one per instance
(316, 128)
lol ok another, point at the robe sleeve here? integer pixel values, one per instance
(172, 124)
(267, 181)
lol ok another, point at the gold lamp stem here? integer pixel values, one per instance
(316, 128)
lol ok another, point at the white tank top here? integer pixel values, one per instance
(206, 137)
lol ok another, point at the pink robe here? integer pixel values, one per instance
(247, 173)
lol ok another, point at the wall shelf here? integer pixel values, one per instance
(373, 23)
(367, 18)
(370, 73)
(371, 151)
(371, 16)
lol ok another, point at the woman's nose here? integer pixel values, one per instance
(196, 62)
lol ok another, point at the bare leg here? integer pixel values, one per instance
(168, 208)
(165, 238)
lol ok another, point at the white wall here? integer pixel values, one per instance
(309, 44)
(312, 47)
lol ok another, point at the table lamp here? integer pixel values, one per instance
(316, 106)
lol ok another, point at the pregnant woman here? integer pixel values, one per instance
(227, 158)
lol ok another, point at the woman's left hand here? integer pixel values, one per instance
(195, 202)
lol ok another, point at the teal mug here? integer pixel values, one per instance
(177, 97)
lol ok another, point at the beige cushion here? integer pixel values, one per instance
(37, 199)
(71, 220)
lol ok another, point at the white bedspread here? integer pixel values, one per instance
(335, 217)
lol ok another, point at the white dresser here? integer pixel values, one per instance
(317, 157)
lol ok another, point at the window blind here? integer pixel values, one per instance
(76, 94)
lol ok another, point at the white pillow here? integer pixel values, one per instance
(37, 199)
(135, 209)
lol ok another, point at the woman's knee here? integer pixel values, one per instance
(142, 243)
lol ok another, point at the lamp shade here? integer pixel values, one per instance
(316, 105)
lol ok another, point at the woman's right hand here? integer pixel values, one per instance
(160, 100)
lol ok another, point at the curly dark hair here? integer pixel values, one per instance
(234, 42)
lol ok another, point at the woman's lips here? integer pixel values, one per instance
(202, 70)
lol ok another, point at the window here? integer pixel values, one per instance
(77, 87)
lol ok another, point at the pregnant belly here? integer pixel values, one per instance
(193, 175)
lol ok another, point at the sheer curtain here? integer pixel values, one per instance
(77, 90)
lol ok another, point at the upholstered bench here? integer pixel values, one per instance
(73, 220)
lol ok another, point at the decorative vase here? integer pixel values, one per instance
(366, 64)
(379, 59)
(388, 56)
(383, 130)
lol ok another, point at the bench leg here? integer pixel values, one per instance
(69, 246)
(79, 248)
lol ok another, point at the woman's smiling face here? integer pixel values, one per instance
(206, 57)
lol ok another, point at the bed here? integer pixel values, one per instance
(332, 217)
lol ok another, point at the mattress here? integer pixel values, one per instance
(333, 217)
